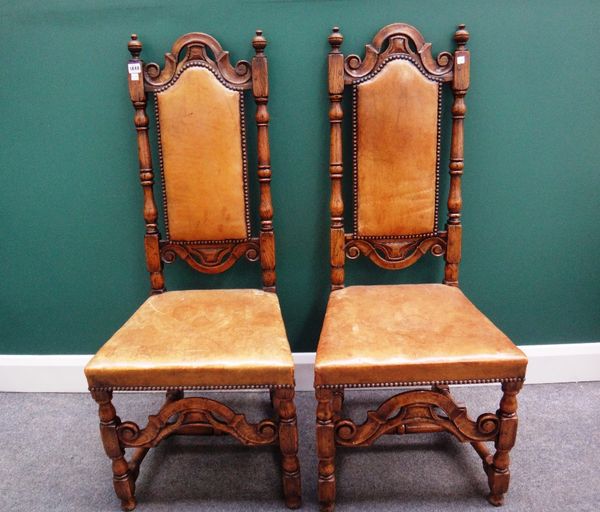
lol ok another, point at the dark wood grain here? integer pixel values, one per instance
(336, 166)
(260, 89)
(460, 85)
(123, 481)
(288, 445)
(497, 468)
(326, 448)
(152, 236)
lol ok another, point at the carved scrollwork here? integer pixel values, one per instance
(196, 45)
(417, 411)
(215, 414)
(487, 423)
(352, 251)
(395, 254)
(402, 39)
(211, 258)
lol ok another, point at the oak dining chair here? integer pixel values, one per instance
(428, 336)
(200, 340)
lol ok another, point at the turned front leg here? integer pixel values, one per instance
(288, 444)
(172, 395)
(498, 471)
(273, 397)
(109, 421)
(338, 402)
(326, 399)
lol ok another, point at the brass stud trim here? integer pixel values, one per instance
(400, 384)
(191, 388)
(244, 149)
(355, 83)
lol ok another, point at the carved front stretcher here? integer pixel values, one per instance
(415, 412)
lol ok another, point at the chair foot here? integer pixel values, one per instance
(293, 503)
(327, 495)
(326, 399)
(498, 471)
(283, 399)
(129, 504)
(123, 479)
(496, 499)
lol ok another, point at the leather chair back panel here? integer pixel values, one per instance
(396, 144)
(203, 158)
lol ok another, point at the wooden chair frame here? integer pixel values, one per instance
(197, 415)
(414, 411)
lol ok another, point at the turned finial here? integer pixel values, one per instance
(336, 39)
(134, 46)
(259, 42)
(461, 36)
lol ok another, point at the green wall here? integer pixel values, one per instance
(72, 267)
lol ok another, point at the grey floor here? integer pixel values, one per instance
(51, 458)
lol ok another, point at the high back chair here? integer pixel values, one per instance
(405, 335)
(200, 339)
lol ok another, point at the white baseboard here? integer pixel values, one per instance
(567, 362)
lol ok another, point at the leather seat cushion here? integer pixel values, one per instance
(200, 338)
(409, 334)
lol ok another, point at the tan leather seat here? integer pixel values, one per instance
(197, 338)
(411, 333)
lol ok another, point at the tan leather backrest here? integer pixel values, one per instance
(203, 160)
(396, 130)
